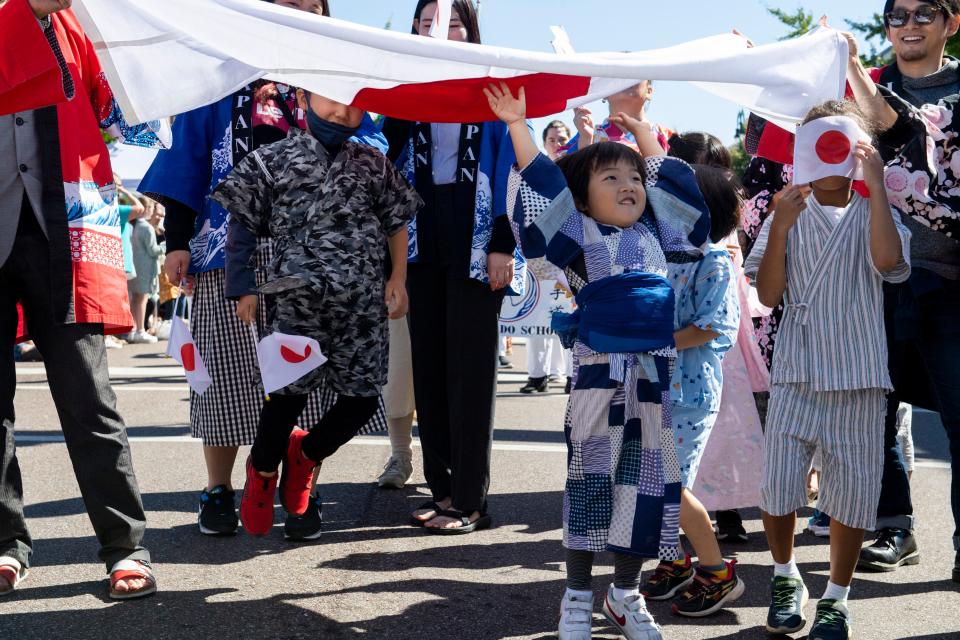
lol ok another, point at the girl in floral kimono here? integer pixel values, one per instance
(607, 216)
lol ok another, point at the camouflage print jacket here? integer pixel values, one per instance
(329, 218)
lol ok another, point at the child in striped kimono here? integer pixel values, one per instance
(607, 216)
(826, 252)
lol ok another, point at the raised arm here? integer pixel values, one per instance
(513, 112)
(865, 89)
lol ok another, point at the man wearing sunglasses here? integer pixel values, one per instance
(923, 315)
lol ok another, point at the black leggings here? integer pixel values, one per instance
(279, 415)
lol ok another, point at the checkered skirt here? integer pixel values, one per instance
(226, 415)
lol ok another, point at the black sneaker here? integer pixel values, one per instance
(667, 580)
(504, 363)
(831, 623)
(535, 384)
(892, 548)
(218, 513)
(567, 388)
(730, 527)
(709, 593)
(309, 526)
(788, 598)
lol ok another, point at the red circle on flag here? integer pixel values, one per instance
(833, 147)
(292, 356)
(188, 356)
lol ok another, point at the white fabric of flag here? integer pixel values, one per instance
(164, 57)
(824, 147)
(285, 358)
(182, 348)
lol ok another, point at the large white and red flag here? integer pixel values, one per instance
(286, 358)
(164, 57)
(182, 348)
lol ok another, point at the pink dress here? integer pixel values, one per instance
(729, 476)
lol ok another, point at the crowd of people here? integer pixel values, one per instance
(720, 319)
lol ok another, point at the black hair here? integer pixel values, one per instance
(843, 108)
(724, 196)
(556, 124)
(696, 147)
(464, 9)
(949, 7)
(578, 167)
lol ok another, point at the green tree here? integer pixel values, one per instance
(799, 22)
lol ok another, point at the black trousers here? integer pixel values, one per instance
(454, 336)
(280, 414)
(76, 363)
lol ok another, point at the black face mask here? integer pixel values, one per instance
(330, 134)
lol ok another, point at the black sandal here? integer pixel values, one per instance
(466, 526)
(429, 504)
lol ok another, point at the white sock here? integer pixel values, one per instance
(788, 570)
(579, 595)
(400, 431)
(620, 594)
(836, 592)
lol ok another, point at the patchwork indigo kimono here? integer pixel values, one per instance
(623, 479)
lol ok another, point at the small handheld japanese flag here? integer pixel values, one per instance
(285, 359)
(824, 147)
(181, 347)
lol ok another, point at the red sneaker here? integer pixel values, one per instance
(296, 476)
(256, 506)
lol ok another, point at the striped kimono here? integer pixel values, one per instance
(829, 372)
(623, 478)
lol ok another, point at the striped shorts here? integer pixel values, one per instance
(846, 429)
(227, 414)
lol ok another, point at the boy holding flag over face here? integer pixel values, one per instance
(826, 253)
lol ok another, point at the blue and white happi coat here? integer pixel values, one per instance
(623, 479)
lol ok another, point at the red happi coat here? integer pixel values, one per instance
(79, 197)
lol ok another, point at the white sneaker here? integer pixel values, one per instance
(111, 342)
(631, 617)
(141, 337)
(395, 473)
(163, 330)
(576, 617)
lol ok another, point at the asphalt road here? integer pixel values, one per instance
(371, 575)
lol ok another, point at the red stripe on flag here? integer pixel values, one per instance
(463, 100)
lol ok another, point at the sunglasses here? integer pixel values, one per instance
(921, 16)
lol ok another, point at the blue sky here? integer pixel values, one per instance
(626, 25)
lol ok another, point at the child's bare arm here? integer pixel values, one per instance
(513, 112)
(644, 132)
(693, 336)
(772, 275)
(885, 248)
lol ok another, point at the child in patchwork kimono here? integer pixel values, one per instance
(707, 319)
(607, 216)
(332, 207)
(826, 252)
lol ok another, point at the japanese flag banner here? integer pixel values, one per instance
(183, 349)
(284, 359)
(164, 57)
(824, 148)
